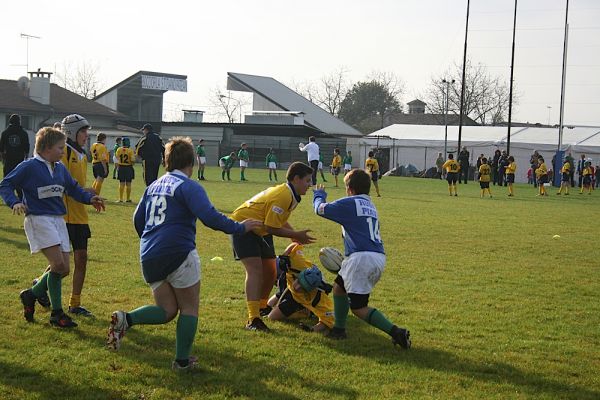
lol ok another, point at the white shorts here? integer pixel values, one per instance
(361, 271)
(221, 163)
(243, 163)
(320, 165)
(115, 159)
(188, 273)
(272, 165)
(45, 231)
(347, 167)
(202, 160)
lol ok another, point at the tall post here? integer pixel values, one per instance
(512, 70)
(464, 72)
(564, 78)
(446, 115)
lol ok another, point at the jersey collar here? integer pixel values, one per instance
(295, 196)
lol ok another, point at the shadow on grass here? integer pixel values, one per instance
(365, 341)
(30, 381)
(20, 244)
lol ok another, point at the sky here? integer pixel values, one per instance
(294, 42)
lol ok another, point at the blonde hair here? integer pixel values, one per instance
(179, 153)
(47, 137)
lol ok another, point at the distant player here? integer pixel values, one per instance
(372, 167)
(565, 178)
(226, 162)
(165, 220)
(510, 171)
(201, 159)
(320, 167)
(347, 162)
(256, 250)
(244, 158)
(99, 162)
(44, 180)
(126, 159)
(452, 168)
(336, 165)
(365, 257)
(271, 162)
(587, 174)
(485, 173)
(541, 174)
(118, 143)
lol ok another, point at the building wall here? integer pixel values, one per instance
(212, 136)
(109, 99)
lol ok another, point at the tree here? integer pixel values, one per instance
(82, 80)
(328, 92)
(366, 104)
(226, 105)
(486, 97)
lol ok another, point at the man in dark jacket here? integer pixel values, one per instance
(14, 144)
(463, 159)
(152, 152)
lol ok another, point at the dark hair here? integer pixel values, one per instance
(336, 150)
(451, 156)
(540, 158)
(101, 137)
(484, 160)
(311, 139)
(179, 153)
(359, 181)
(511, 159)
(14, 119)
(371, 154)
(119, 139)
(298, 169)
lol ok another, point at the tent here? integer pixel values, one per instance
(420, 144)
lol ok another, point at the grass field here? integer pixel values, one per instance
(497, 307)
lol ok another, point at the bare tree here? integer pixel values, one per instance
(226, 105)
(391, 82)
(82, 79)
(328, 93)
(486, 97)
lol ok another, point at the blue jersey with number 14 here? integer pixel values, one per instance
(165, 218)
(358, 217)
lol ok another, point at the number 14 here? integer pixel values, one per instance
(374, 230)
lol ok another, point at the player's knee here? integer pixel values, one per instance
(338, 290)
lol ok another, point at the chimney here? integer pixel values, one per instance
(39, 86)
(193, 116)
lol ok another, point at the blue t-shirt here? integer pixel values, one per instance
(359, 220)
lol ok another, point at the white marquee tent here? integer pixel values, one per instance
(420, 144)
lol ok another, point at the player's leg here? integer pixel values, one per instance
(228, 174)
(253, 286)
(269, 274)
(99, 181)
(275, 174)
(59, 268)
(188, 300)
(79, 235)
(128, 191)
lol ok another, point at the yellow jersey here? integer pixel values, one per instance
(76, 163)
(125, 156)
(587, 171)
(451, 166)
(371, 164)
(511, 168)
(272, 206)
(484, 173)
(99, 153)
(337, 161)
(566, 168)
(541, 170)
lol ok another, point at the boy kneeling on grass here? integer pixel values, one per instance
(365, 258)
(302, 288)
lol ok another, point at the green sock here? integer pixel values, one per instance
(228, 174)
(378, 320)
(55, 290)
(186, 331)
(148, 315)
(275, 173)
(242, 175)
(341, 306)
(223, 175)
(40, 288)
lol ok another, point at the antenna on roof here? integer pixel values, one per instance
(27, 37)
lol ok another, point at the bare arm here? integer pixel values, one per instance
(287, 231)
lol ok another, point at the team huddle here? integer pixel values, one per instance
(51, 185)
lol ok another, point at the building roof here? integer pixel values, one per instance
(417, 102)
(288, 100)
(428, 119)
(135, 81)
(255, 129)
(62, 101)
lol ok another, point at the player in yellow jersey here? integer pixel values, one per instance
(372, 167)
(99, 162)
(541, 174)
(587, 173)
(336, 165)
(452, 169)
(485, 172)
(510, 170)
(125, 161)
(256, 249)
(565, 178)
(302, 288)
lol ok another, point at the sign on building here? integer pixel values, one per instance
(164, 83)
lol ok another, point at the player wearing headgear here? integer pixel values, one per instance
(302, 288)
(165, 220)
(99, 162)
(365, 257)
(126, 174)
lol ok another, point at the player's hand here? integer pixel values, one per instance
(303, 237)
(319, 186)
(19, 209)
(98, 203)
(251, 224)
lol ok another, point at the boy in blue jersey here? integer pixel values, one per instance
(44, 180)
(165, 220)
(365, 257)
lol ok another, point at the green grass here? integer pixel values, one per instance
(496, 307)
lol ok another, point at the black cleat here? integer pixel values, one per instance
(265, 311)
(337, 334)
(401, 337)
(62, 320)
(28, 300)
(257, 324)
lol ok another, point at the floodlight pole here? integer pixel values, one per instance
(446, 115)
(564, 78)
(27, 37)
(512, 70)
(463, 83)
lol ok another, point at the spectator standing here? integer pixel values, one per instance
(495, 161)
(312, 152)
(439, 162)
(463, 160)
(151, 150)
(201, 158)
(502, 164)
(597, 175)
(534, 163)
(480, 161)
(580, 168)
(14, 144)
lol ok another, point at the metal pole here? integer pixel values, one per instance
(462, 90)
(512, 70)
(564, 78)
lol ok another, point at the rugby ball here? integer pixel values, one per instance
(331, 259)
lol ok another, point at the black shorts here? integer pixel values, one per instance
(484, 185)
(79, 235)
(98, 170)
(452, 177)
(252, 245)
(356, 300)
(566, 177)
(126, 173)
(287, 305)
(375, 176)
(543, 179)
(335, 170)
(510, 178)
(587, 180)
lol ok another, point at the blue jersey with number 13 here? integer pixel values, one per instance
(358, 217)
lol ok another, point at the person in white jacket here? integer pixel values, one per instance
(312, 151)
